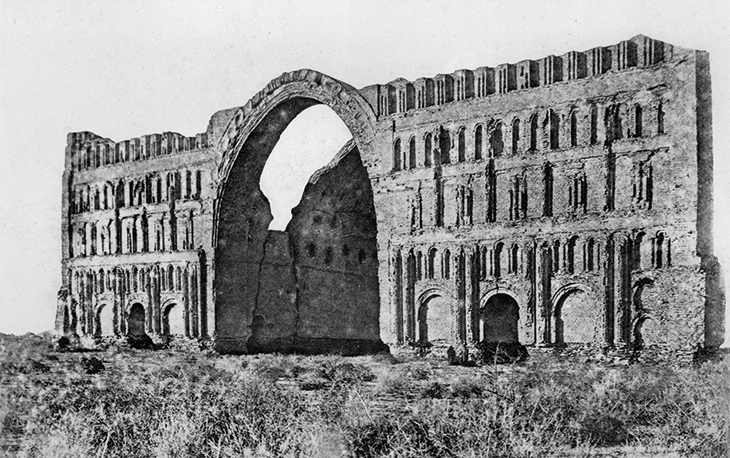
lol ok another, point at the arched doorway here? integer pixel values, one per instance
(575, 317)
(136, 321)
(434, 321)
(173, 321)
(500, 317)
(252, 273)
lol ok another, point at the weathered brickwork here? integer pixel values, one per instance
(566, 200)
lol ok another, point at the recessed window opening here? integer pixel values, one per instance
(309, 143)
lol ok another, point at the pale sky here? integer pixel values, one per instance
(127, 68)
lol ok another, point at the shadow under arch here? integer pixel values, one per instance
(495, 291)
(580, 323)
(136, 319)
(499, 316)
(641, 315)
(104, 319)
(173, 318)
(242, 216)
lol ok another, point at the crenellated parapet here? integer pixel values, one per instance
(560, 201)
(86, 150)
(401, 96)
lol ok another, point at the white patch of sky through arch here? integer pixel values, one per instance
(309, 143)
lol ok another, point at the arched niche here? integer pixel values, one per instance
(575, 315)
(105, 320)
(434, 319)
(173, 319)
(642, 325)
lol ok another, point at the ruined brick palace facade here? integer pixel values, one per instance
(564, 200)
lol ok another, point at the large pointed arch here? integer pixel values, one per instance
(241, 213)
(281, 101)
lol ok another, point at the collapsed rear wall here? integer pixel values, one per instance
(318, 288)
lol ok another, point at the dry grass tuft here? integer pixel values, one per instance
(123, 402)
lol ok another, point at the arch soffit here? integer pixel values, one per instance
(642, 283)
(637, 290)
(566, 290)
(496, 291)
(342, 98)
(170, 302)
(639, 311)
(430, 293)
(98, 308)
(640, 319)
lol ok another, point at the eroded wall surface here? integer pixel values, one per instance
(583, 174)
(136, 231)
(564, 200)
(318, 289)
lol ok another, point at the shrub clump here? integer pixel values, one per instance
(92, 365)
(466, 387)
(345, 372)
(501, 353)
(169, 404)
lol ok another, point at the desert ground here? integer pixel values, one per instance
(188, 402)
